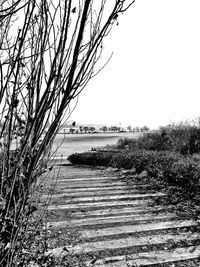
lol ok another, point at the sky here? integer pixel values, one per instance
(153, 77)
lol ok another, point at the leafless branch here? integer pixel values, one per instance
(49, 51)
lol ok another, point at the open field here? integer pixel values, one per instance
(75, 143)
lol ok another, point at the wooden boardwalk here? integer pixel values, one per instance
(118, 227)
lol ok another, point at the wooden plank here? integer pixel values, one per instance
(150, 258)
(90, 185)
(89, 193)
(169, 239)
(110, 219)
(99, 204)
(90, 189)
(114, 211)
(125, 229)
(93, 182)
(69, 199)
(94, 188)
(87, 179)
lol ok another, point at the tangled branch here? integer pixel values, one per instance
(49, 50)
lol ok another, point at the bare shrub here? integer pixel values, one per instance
(48, 52)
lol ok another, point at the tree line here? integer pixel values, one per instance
(105, 129)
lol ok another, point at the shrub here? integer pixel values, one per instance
(137, 159)
(168, 167)
(124, 143)
(152, 161)
(159, 162)
(143, 159)
(185, 138)
(150, 141)
(155, 141)
(121, 160)
(184, 173)
(181, 138)
(157, 154)
(91, 158)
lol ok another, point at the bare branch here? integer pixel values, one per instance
(49, 51)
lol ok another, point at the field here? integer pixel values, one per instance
(67, 144)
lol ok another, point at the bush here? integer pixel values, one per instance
(151, 161)
(122, 160)
(138, 159)
(161, 161)
(127, 143)
(150, 141)
(165, 156)
(143, 160)
(184, 173)
(91, 158)
(168, 167)
(185, 138)
(180, 138)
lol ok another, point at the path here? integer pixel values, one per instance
(118, 227)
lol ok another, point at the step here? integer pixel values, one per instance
(91, 189)
(111, 219)
(74, 193)
(168, 239)
(114, 211)
(93, 182)
(98, 204)
(89, 186)
(150, 258)
(125, 229)
(69, 199)
(87, 179)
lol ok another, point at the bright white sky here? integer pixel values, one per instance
(153, 77)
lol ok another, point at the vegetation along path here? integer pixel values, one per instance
(116, 226)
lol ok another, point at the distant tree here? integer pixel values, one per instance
(81, 129)
(92, 129)
(85, 129)
(145, 128)
(114, 129)
(104, 129)
(71, 130)
(129, 128)
(137, 129)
